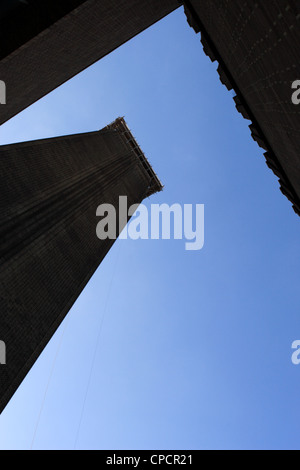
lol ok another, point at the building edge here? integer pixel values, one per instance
(242, 106)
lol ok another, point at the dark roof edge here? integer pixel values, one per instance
(120, 125)
(242, 106)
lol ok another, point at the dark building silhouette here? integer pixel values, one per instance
(50, 191)
(44, 43)
(257, 45)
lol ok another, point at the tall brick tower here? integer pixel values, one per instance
(50, 191)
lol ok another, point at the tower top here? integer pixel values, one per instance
(121, 126)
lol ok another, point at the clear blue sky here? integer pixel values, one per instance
(194, 349)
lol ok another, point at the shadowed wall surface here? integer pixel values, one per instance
(49, 249)
(44, 44)
(257, 45)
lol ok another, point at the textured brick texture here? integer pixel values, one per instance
(69, 45)
(257, 44)
(50, 191)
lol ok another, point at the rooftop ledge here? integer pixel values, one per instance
(120, 125)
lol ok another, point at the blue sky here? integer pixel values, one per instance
(190, 350)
